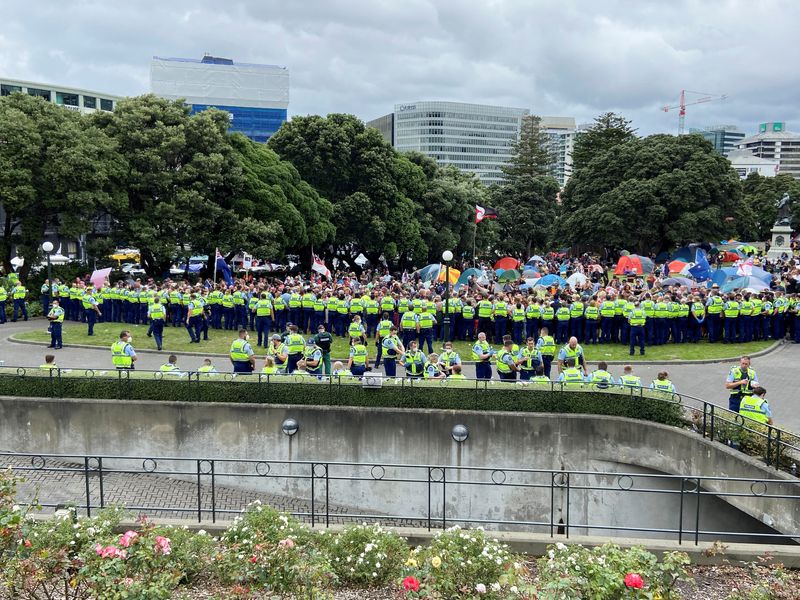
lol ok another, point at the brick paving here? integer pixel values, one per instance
(57, 483)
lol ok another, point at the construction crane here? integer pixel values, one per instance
(683, 104)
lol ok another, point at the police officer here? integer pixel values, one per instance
(754, 406)
(482, 353)
(663, 384)
(506, 363)
(194, 319)
(381, 331)
(413, 361)
(324, 340)
(572, 350)
(157, 314)
(264, 315)
(295, 343)
(529, 359)
(241, 353)
(3, 300)
(18, 294)
(56, 318)
(312, 354)
(546, 346)
(279, 353)
(449, 358)
(628, 379)
(571, 376)
(741, 381)
(91, 309)
(636, 322)
(391, 346)
(122, 353)
(600, 377)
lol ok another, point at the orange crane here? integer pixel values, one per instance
(683, 104)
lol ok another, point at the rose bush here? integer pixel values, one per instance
(365, 555)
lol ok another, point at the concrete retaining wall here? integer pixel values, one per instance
(590, 443)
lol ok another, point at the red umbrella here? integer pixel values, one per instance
(639, 265)
(506, 263)
(676, 266)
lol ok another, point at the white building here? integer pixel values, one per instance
(476, 138)
(745, 162)
(79, 100)
(255, 96)
(561, 131)
(775, 143)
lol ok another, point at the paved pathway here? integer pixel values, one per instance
(778, 371)
(63, 483)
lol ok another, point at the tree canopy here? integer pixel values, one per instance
(761, 196)
(607, 131)
(651, 194)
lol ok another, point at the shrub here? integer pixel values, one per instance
(268, 549)
(463, 564)
(365, 555)
(609, 572)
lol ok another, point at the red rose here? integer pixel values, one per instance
(634, 580)
(27, 543)
(411, 584)
(253, 559)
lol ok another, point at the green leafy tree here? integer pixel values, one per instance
(57, 170)
(372, 188)
(185, 185)
(530, 152)
(651, 194)
(761, 196)
(608, 130)
(527, 211)
(276, 192)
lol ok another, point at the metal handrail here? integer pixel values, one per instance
(439, 510)
(782, 446)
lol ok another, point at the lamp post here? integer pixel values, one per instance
(447, 256)
(48, 248)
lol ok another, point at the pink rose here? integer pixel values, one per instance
(287, 543)
(128, 537)
(162, 545)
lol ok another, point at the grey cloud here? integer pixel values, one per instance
(573, 57)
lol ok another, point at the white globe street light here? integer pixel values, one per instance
(47, 246)
(447, 256)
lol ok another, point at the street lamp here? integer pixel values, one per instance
(48, 248)
(447, 256)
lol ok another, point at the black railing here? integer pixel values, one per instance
(777, 447)
(432, 496)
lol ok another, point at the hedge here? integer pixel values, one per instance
(453, 395)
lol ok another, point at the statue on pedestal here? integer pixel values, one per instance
(784, 211)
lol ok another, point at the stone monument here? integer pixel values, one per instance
(782, 230)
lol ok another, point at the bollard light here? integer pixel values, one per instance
(460, 433)
(290, 427)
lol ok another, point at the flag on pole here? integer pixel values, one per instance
(221, 266)
(744, 268)
(482, 213)
(701, 270)
(319, 267)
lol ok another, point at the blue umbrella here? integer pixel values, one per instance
(549, 280)
(430, 272)
(529, 272)
(739, 283)
(465, 275)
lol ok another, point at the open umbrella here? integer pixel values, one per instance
(751, 283)
(509, 275)
(549, 280)
(478, 274)
(506, 263)
(678, 281)
(534, 259)
(454, 275)
(676, 266)
(430, 272)
(576, 279)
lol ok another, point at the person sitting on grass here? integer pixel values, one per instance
(207, 367)
(456, 372)
(301, 369)
(269, 367)
(432, 369)
(340, 371)
(663, 384)
(171, 367)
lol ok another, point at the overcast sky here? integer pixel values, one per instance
(562, 57)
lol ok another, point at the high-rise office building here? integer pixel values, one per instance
(775, 142)
(561, 132)
(476, 138)
(82, 101)
(255, 96)
(724, 138)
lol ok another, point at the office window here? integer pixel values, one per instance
(7, 90)
(89, 102)
(65, 99)
(106, 104)
(39, 93)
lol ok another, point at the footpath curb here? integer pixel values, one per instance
(772, 348)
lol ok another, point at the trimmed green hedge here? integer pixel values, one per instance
(453, 395)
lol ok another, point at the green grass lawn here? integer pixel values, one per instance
(177, 340)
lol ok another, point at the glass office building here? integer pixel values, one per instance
(476, 138)
(773, 141)
(255, 96)
(724, 138)
(82, 101)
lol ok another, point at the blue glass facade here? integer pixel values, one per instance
(256, 123)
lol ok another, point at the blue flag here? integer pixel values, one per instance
(224, 269)
(701, 270)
